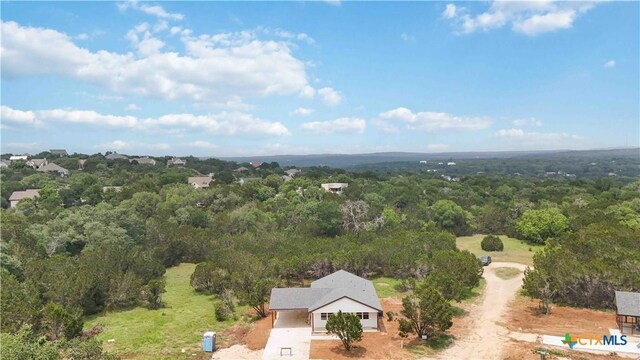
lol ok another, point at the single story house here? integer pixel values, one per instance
(199, 182)
(145, 160)
(628, 311)
(256, 164)
(37, 163)
(18, 157)
(336, 188)
(116, 156)
(59, 152)
(51, 167)
(286, 178)
(16, 196)
(176, 162)
(340, 291)
(241, 169)
(293, 172)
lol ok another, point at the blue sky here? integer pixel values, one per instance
(251, 78)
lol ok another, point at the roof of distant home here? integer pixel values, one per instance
(52, 167)
(58, 151)
(324, 291)
(202, 181)
(115, 156)
(26, 194)
(628, 303)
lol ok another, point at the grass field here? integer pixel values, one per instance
(506, 273)
(514, 250)
(162, 334)
(387, 287)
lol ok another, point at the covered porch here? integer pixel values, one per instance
(628, 312)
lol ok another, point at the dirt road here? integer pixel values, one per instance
(486, 338)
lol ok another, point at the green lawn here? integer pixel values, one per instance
(506, 273)
(514, 250)
(162, 334)
(387, 287)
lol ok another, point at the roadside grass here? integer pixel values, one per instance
(515, 250)
(162, 334)
(475, 293)
(506, 273)
(387, 287)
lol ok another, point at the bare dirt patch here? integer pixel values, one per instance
(258, 334)
(523, 316)
(378, 345)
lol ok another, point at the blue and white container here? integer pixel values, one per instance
(209, 341)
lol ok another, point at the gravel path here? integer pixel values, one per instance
(486, 338)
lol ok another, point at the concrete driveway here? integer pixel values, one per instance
(289, 331)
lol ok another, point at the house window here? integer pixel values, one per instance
(325, 316)
(362, 315)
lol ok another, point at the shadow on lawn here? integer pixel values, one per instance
(356, 351)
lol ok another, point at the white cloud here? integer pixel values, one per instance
(539, 140)
(132, 107)
(408, 37)
(203, 145)
(18, 116)
(449, 12)
(81, 37)
(437, 147)
(214, 67)
(610, 64)
(120, 145)
(434, 121)
(224, 123)
(301, 112)
(340, 125)
(307, 92)
(153, 10)
(330, 96)
(527, 17)
(527, 122)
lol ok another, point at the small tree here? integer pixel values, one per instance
(427, 312)
(492, 243)
(153, 293)
(345, 326)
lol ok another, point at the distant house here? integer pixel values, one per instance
(286, 178)
(51, 167)
(19, 157)
(423, 162)
(5, 163)
(58, 152)
(176, 162)
(451, 163)
(199, 182)
(293, 172)
(340, 291)
(16, 196)
(628, 311)
(256, 164)
(336, 188)
(244, 180)
(241, 169)
(145, 160)
(37, 163)
(111, 188)
(81, 163)
(116, 156)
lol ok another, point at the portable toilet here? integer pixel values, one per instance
(209, 341)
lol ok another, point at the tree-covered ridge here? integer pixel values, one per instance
(78, 250)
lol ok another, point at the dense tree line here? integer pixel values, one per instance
(77, 250)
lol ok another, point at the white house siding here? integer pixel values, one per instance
(345, 305)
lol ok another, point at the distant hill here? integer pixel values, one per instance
(354, 160)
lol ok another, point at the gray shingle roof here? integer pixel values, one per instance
(325, 291)
(53, 168)
(628, 303)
